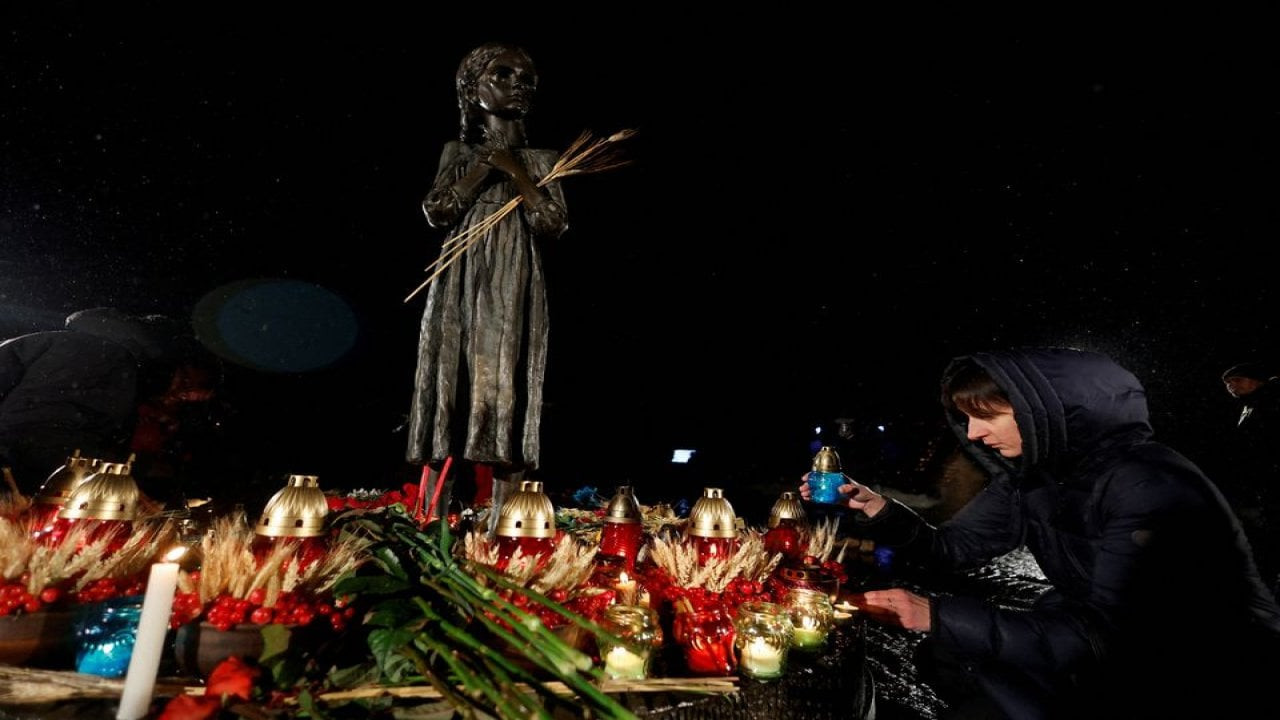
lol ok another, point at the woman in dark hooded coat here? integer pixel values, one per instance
(1156, 610)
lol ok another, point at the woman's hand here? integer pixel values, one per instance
(898, 607)
(861, 497)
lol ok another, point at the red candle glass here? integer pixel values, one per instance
(307, 550)
(712, 548)
(623, 539)
(784, 538)
(118, 530)
(706, 636)
(43, 517)
(528, 547)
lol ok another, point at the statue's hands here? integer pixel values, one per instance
(496, 153)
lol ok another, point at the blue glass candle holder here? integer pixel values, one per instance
(825, 478)
(105, 633)
(824, 487)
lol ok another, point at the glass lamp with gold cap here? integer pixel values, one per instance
(713, 526)
(57, 488)
(623, 527)
(106, 503)
(788, 526)
(825, 477)
(527, 522)
(294, 516)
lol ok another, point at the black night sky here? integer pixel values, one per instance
(804, 232)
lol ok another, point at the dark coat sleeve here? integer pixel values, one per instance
(1148, 519)
(987, 527)
(1049, 637)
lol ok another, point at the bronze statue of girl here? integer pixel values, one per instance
(483, 347)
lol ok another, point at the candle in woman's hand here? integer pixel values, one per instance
(622, 664)
(761, 659)
(140, 681)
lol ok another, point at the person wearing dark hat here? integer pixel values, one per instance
(1243, 381)
(75, 389)
(1252, 461)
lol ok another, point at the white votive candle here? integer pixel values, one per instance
(622, 664)
(808, 634)
(153, 624)
(761, 659)
(626, 590)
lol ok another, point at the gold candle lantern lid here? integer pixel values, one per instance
(63, 481)
(528, 512)
(624, 508)
(298, 510)
(111, 493)
(712, 516)
(827, 460)
(788, 507)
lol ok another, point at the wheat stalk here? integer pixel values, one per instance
(583, 156)
(822, 539)
(680, 561)
(568, 566)
(76, 555)
(228, 565)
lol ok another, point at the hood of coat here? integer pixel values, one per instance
(1068, 404)
(149, 338)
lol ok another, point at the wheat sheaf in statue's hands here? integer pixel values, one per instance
(584, 156)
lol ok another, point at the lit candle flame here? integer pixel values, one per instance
(175, 554)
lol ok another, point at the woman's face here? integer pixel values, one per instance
(506, 86)
(998, 431)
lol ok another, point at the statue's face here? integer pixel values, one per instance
(506, 86)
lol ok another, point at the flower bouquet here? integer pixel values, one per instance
(436, 616)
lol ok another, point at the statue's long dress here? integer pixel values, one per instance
(482, 353)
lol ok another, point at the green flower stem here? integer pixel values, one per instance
(469, 679)
(490, 655)
(546, 642)
(572, 679)
(530, 703)
(546, 602)
(444, 687)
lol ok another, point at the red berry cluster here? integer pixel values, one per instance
(227, 611)
(107, 588)
(15, 598)
(738, 591)
(588, 605)
(836, 569)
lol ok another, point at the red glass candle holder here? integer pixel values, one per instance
(706, 637)
(528, 547)
(810, 575)
(785, 538)
(117, 530)
(307, 550)
(42, 517)
(622, 539)
(711, 548)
